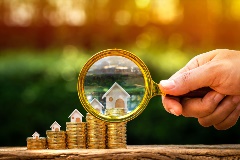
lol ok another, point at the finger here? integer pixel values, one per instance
(197, 61)
(172, 105)
(224, 109)
(230, 121)
(201, 107)
(193, 75)
(190, 80)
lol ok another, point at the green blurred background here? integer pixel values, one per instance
(45, 43)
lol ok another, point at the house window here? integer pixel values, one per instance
(110, 99)
(72, 117)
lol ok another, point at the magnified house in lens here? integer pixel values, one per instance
(97, 105)
(116, 97)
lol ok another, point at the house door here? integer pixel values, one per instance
(119, 103)
(56, 129)
(78, 120)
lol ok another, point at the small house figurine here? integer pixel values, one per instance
(76, 116)
(116, 97)
(97, 105)
(55, 126)
(36, 135)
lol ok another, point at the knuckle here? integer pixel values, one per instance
(203, 122)
(235, 100)
(221, 127)
(185, 77)
(208, 109)
(224, 126)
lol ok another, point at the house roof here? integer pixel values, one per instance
(75, 110)
(95, 100)
(54, 123)
(117, 85)
(36, 133)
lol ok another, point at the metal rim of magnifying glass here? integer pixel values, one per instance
(147, 81)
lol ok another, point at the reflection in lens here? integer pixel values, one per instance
(114, 86)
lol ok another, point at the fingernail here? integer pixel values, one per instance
(172, 112)
(167, 84)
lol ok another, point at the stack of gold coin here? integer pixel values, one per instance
(96, 133)
(39, 143)
(115, 112)
(116, 135)
(76, 134)
(56, 139)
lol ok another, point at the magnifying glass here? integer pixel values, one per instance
(115, 85)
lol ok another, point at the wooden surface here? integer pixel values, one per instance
(200, 152)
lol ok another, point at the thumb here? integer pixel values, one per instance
(188, 81)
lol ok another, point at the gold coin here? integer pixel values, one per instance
(72, 147)
(56, 142)
(56, 136)
(75, 123)
(81, 139)
(76, 130)
(71, 144)
(71, 133)
(75, 138)
(72, 140)
(79, 133)
(55, 132)
(116, 138)
(37, 144)
(96, 142)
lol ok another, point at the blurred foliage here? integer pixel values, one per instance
(37, 89)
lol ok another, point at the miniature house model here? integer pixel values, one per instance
(55, 126)
(116, 97)
(97, 105)
(76, 116)
(35, 135)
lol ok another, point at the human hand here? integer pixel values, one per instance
(217, 69)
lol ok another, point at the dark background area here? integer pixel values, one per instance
(45, 43)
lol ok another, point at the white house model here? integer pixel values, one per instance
(116, 97)
(35, 135)
(55, 126)
(97, 105)
(76, 116)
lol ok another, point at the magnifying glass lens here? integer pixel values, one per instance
(114, 86)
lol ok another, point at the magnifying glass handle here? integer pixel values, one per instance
(199, 93)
